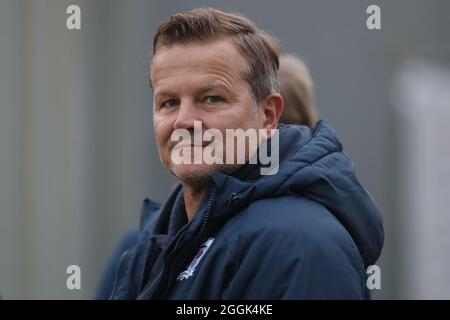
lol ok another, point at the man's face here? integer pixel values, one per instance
(199, 82)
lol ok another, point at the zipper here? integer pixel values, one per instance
(116, 277)
(196, 243)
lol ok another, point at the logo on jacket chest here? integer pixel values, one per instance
(189, 272)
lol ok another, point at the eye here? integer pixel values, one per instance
(169, 103)
(213, 99)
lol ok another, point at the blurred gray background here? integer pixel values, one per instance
(78, 156)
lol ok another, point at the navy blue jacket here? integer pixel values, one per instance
(307, 232)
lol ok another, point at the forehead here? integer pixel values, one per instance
(219, 57)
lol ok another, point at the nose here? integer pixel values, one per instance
(187, 114)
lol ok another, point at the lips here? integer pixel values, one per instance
(177, 146)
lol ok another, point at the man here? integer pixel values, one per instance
(305, 230)
(296, 88)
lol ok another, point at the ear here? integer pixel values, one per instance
(271, 111)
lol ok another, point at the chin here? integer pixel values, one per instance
(200, 173)
(193, 173)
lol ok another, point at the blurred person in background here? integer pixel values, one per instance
(296, 88)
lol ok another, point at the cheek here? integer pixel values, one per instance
(239, 116)
(162, 128)
(246, 117)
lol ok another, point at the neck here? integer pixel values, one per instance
(193, 197)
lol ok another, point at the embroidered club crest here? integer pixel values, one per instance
(189, 272)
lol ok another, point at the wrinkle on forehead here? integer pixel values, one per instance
(219, 57)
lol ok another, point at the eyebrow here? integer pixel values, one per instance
(203, 90)
(166, 93)
(213, 86)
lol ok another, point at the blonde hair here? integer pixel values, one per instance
(260, 50)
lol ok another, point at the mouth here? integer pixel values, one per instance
(174, 146)
(187, 146)
(182, 146)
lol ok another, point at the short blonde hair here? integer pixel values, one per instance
(258, 48)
